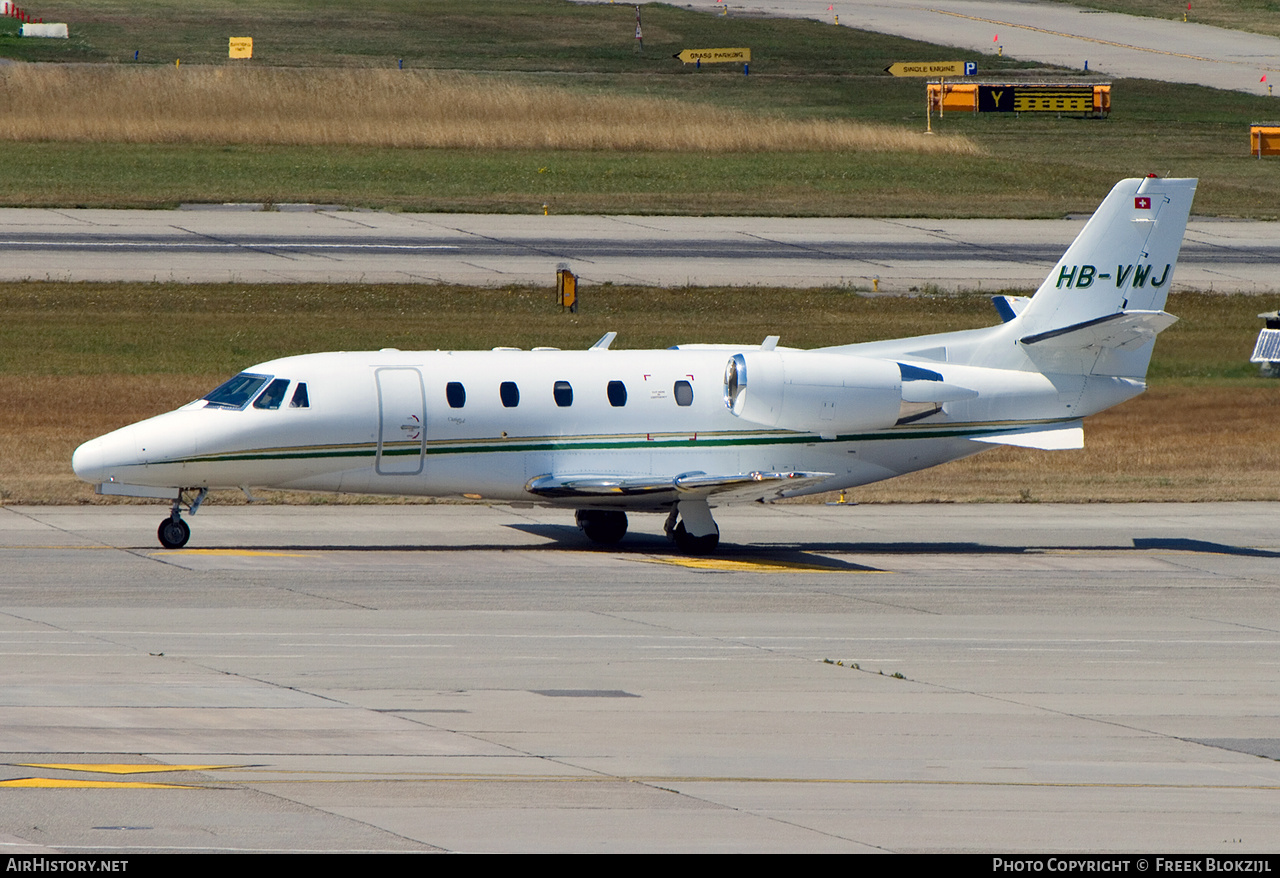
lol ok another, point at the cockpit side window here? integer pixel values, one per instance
(273, 395)
(236, 393)
(300, 400)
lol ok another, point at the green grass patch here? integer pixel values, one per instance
(218, 329)
(52, 328)
(477, 35)
(161, 176)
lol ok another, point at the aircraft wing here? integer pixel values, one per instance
(741, 487)
(747, 487)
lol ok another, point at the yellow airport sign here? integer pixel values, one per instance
(715, 56)
(933, 68)
(240, 47)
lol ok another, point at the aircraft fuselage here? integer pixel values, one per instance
(484, 424)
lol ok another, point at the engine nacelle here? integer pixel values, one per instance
(813, 392)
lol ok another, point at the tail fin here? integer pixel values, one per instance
(1106, 291)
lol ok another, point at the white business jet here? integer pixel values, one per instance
(683, 430)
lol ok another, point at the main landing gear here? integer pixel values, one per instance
(602, 525)
(690, 526)
(173, 531)
(696, 532)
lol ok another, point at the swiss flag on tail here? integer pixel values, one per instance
(1142, 202)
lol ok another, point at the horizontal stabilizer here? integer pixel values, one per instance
(1050, 437)
(1010, 307)
(732, 488)
(1125, 330)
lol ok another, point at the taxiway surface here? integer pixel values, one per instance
(1067, 36)
(470, 678)
(344, 246)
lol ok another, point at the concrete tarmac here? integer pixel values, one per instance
(233, 244)
(471, 678)
(1060, 34)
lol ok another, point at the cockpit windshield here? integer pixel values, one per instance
(236, 393)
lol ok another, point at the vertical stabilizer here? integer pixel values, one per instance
(1123, 260)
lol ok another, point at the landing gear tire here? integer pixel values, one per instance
(601, 525)
(689, 544)
(173, 533)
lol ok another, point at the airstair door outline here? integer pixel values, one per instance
(402, 421)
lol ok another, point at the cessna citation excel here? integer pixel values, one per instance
(683, 430)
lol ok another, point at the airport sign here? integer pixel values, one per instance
(714, 56)
(933, 68)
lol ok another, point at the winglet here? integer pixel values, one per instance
(604, 342)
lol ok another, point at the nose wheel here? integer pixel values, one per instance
(173, 531)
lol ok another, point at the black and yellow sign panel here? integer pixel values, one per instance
(240, 47)
(1048, 100)
(1043, 99)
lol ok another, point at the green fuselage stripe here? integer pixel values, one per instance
(517, 445)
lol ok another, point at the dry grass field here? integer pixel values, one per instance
(77, 360)
(401, 110)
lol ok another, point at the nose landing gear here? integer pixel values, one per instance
(173, 531)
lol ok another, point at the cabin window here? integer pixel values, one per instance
(563, 392)
(684, 393)
(236, 393)
(617, 394)
(300, 400)
(510, 394)
(273, 395)
(456, 394)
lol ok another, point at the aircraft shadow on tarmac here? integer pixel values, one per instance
(1178, 544)
(569, 537)
(806, 554)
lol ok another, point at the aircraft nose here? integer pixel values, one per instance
(95, 460)
(90, 461)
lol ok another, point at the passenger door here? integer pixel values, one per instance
(402, 421)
